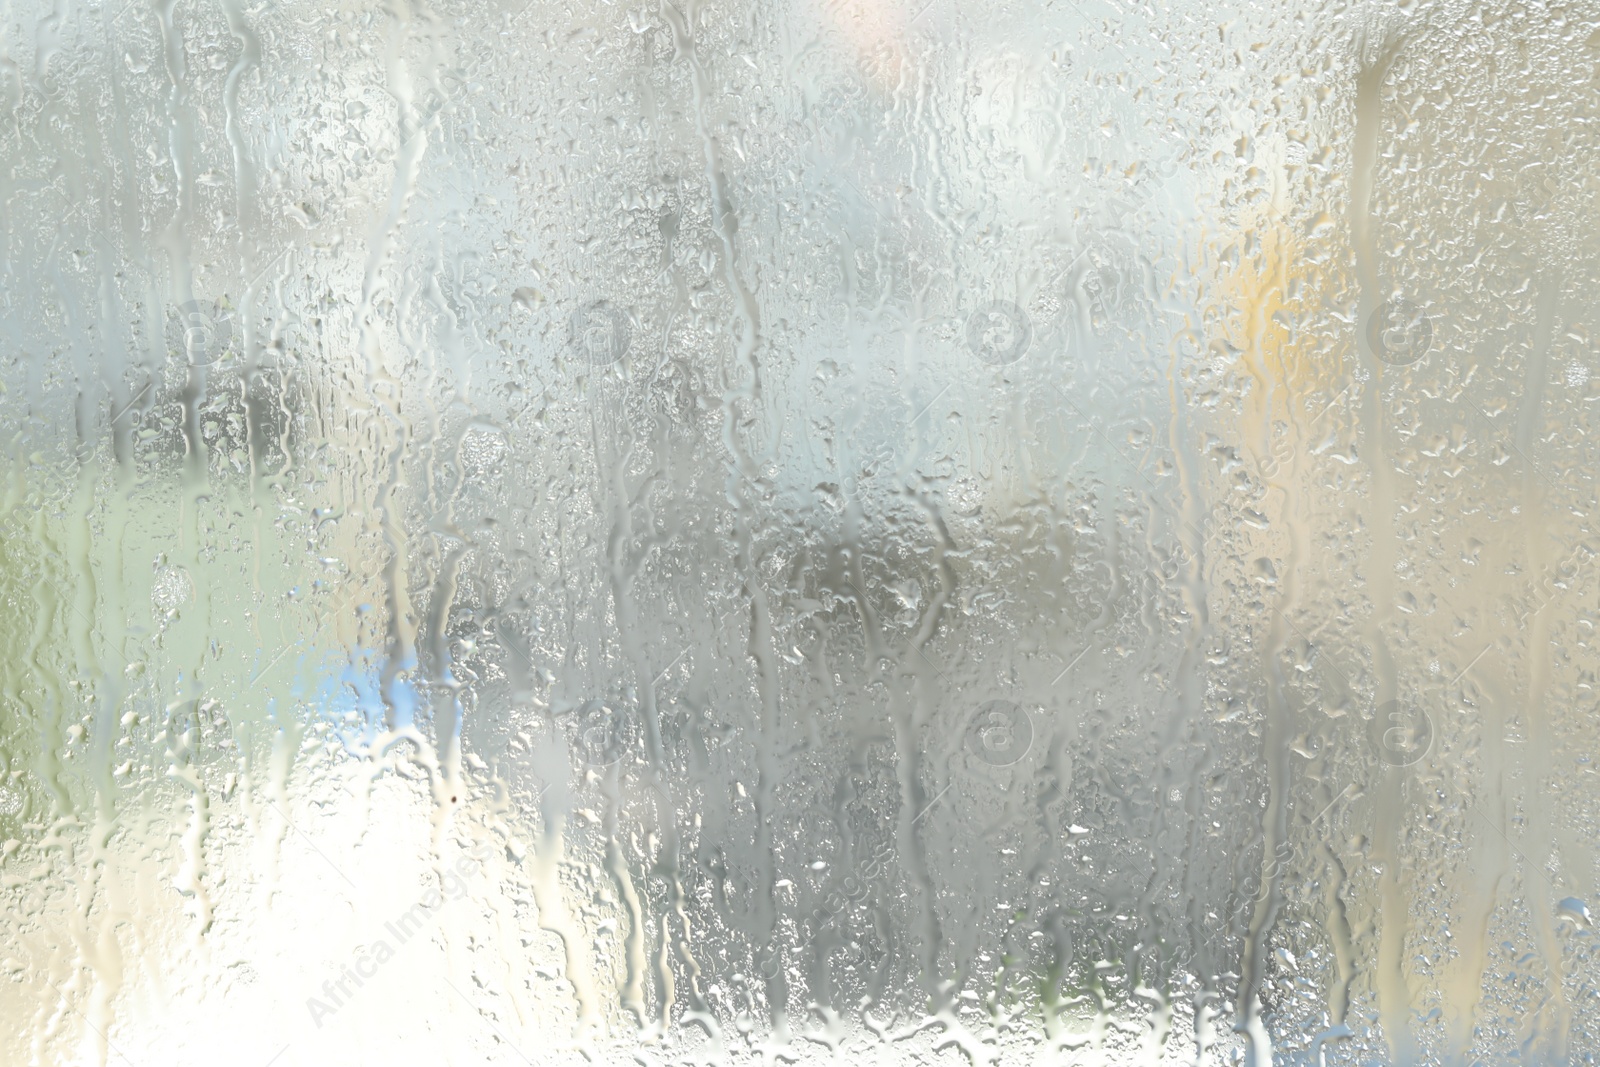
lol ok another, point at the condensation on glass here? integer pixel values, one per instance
(902, 531)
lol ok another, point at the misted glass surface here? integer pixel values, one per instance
(799, 532)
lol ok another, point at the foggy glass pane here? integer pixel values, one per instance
(843, 531)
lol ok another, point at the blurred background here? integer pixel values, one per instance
(896, 531)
